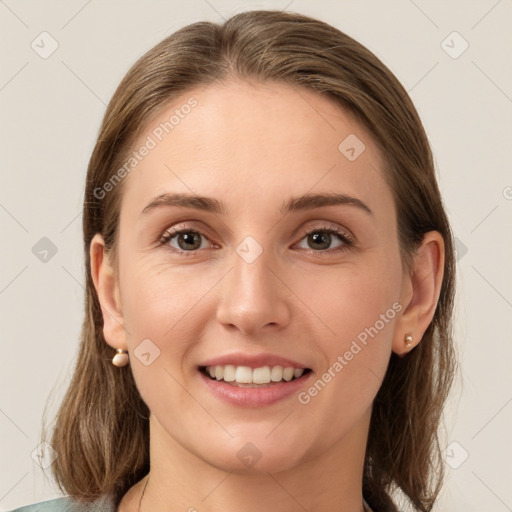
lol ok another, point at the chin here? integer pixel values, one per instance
(255, 454)
(262, 464)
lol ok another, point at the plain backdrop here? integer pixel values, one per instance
(454, 59)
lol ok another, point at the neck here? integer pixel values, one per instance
(182, 481)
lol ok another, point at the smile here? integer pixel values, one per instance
(251, 377)
(244, 386)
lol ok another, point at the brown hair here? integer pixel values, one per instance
(102, 412)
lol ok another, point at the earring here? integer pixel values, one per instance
(121, 358)
(408, 341)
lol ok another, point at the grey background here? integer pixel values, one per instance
(50, 112)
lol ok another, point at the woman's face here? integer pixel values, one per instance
(245, 285)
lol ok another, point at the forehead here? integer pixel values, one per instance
(253, 143)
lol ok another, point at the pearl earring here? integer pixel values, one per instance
(121, 358)
(408, 341)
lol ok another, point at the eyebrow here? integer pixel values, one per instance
(209, 204)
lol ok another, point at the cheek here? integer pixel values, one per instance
(156, 297)
(361, 310)
(357, 301)
(160, 305)
(358, 307)
(159, 312)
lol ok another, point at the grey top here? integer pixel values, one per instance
(66, 504)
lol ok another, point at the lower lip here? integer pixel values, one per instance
(254, 397)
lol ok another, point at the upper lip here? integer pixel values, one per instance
(252, 361)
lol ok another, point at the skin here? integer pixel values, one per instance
(253, 146)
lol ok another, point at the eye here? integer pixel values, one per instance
(187, 240)
(321, 238)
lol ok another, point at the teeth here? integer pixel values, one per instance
(276, 373)
(247, 375)
(243, 374)
(288, 374)
(261, 375)
(229, 373)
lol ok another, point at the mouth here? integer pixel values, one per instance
(247, 377)
(253, 380)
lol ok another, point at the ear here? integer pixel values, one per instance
(107, 288)
(420, 293)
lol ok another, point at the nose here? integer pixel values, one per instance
(255, 298)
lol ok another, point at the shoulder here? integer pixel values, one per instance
(67, 504)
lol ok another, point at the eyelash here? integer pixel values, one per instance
(348, 242)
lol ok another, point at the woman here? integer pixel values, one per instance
(269, 284)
